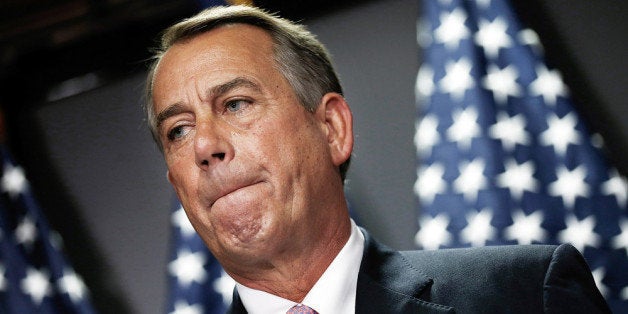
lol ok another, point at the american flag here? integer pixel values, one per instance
(504, 158)
(197, 282)
(35, 277)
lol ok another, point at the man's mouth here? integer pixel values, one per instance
(231, 190)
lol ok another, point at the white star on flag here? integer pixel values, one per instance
(620, 241)
(182, 307)
(560, 132)
(479, 230)
(425, 82)
(510, 130)
(225, 285)
(526, 229)
(457, 79)
(530, 38)
(426, 135)
(36, 284)
(13, 180)
(464, 128)
(471, 179)
(452, 29)
(518, 178)
(26, 232)
(430, 182)
(579, 233)
(598, 275)
(502, 82)
(73, 285)
(618, 186)
(548, 84)
(569, 185)
(492, 36)
(180, 219)
(433, 232)
(188, 267)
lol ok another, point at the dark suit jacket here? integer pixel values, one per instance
(507, 279)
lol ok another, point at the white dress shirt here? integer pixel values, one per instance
(333, 293)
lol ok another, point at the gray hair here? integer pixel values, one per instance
(299, 56)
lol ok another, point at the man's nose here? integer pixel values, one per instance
(210, 146)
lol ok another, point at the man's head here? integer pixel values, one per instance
(254, 162)
(298, 55)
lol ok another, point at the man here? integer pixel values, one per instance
(257, 138)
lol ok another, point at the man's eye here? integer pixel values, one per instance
(176, 133)
(236, 105)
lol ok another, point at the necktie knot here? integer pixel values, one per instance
(301, 309)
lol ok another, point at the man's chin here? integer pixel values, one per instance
(237, 229)
(244, 251)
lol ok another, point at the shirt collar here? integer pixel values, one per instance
(334, 292)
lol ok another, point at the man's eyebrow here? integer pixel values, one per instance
(230, 85)
(172, 110)
(215, 91)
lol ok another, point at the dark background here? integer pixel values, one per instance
(71, 85)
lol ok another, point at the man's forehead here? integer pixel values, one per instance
(214, 60)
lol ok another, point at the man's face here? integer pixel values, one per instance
(248, 162)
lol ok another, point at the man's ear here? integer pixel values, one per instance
(168, 176)
(338, 121)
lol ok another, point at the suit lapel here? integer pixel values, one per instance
(388, 283)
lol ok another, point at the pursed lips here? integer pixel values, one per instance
(231, 189)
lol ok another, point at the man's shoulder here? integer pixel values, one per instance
(517, 276)
(507, 262)
(460, 262)
(490, 254)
